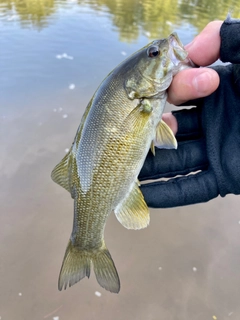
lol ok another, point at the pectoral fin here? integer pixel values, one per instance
(165, 138)
(133, 212)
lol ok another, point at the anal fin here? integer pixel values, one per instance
(133, 212)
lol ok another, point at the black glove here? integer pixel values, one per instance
(208, 140)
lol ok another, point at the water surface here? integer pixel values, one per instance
(53, 56)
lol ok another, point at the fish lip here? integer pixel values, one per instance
(173, 39)
(177, 53)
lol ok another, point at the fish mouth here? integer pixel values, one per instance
(177, 54)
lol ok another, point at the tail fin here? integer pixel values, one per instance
(76, 265)
(105, 271)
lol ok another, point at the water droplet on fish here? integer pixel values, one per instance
(123, 53)
(55, 318)
(20, 294)
(59, 56)
(54, 110)
(72, 86)
(194, 269)
(160, 268)
(65, 116)
(60, 109)
(98, 294)
(66, 150)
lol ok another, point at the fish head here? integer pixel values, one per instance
(152, 68)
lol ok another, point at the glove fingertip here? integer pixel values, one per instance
(192, 189)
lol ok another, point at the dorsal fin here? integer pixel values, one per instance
(61, 172)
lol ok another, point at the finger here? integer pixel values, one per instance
(205, 47)
(192, 189)
(189, 157)
(192, 84)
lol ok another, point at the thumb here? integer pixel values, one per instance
(192, 84)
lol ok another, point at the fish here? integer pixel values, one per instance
(121, 123)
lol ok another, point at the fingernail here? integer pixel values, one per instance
(201, 82)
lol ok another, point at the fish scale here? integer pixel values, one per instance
(118, 128)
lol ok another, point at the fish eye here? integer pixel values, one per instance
(153, 51)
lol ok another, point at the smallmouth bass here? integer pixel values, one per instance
(120, 124)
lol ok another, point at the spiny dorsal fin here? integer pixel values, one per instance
(165, 138)
(60, 173)
(133, 212)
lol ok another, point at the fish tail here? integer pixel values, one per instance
(77, 265)
(105, 270)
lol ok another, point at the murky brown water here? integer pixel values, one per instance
(53, 55)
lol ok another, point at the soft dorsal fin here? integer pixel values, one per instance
(133, 212)
(165, 138)
(60, 173)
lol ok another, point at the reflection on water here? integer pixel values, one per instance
(53, 55)
(154, 18)
(33, 12)
(129, 17)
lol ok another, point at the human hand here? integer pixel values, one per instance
(198, 82)
(195, 83)
(208, 136)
